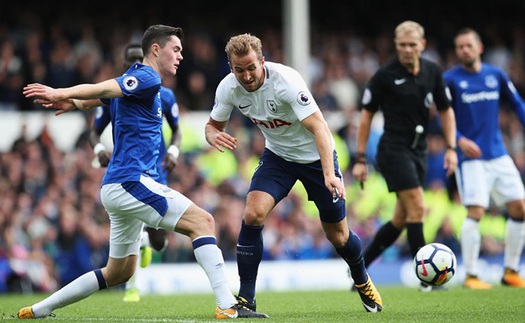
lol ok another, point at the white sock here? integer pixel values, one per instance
(514, 241)
(470, 245)
(73, 292)
(145, 240)
(209, 257)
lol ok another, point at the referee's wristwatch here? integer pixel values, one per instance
(451, 147)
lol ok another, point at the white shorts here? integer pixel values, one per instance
(130, 205)
(478, 180)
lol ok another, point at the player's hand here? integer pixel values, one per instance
(44, 94)
(336, 187)
(169, 162)
(61, 106)
(223, 140)
(103, 158)
(360, 172)
(469, 148)
(450, 161)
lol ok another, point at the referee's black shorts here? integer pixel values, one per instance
(402, 167)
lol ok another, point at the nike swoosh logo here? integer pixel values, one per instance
(336, 197)
(424, 273)
(244, 107)
(372, 309)
(400, 81)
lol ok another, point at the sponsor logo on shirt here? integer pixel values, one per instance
(479, 96)
(271, 124)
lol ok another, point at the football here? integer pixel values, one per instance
(435, 264)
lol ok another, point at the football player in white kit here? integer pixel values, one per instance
(299, 146)
(130, 192)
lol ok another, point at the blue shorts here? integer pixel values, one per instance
(276, 176)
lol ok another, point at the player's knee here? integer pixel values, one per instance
(204, 224)
(337, 238)
(254, 217)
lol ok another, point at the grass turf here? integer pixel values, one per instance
(400, 304)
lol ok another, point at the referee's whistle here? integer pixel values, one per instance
(419, 131)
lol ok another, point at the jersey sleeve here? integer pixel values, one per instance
(372, 94)
(511, 94)
(170, 107)
(222, 106)
(293, 90)
(102, 119)
(440, 93)
(140, 83)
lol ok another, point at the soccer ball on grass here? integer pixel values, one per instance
(435, 264)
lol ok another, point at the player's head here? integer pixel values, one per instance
(246, 60)
(162, 46)
(409, 38)
(468, 47)
(133, 54)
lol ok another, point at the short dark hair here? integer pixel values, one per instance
(159, 34)
(468, 30)
(133, 53)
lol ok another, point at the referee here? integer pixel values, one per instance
(405, 89)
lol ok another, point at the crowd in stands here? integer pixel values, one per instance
(53, 226)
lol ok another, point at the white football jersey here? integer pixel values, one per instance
(277, 108)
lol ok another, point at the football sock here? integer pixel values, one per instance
(470, 239)
(75, 291)
(353, 255)
(384, 238)
(249, 256)
(415, 237)
(514, 240)
(145, 240)
(209, 257)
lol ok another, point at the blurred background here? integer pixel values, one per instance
(52, 225)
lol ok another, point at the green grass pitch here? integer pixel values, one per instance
(400, 304)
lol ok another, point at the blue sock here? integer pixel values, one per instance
(249, 256)
(352, 253)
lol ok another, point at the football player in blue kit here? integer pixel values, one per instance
(152, 238)
(485, 170)
(299, 146)
(130, 192)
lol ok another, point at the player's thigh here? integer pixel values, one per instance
(331, 210)
(274, 176)
(474, 183)
(508, 185)
(132, 204)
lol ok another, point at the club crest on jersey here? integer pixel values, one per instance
(491, 81)
(271, 105)
(130, 83)
(303, 98)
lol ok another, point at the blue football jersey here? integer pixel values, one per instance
(476, 99)
(137, 122)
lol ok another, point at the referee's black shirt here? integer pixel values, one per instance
(405, 99)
